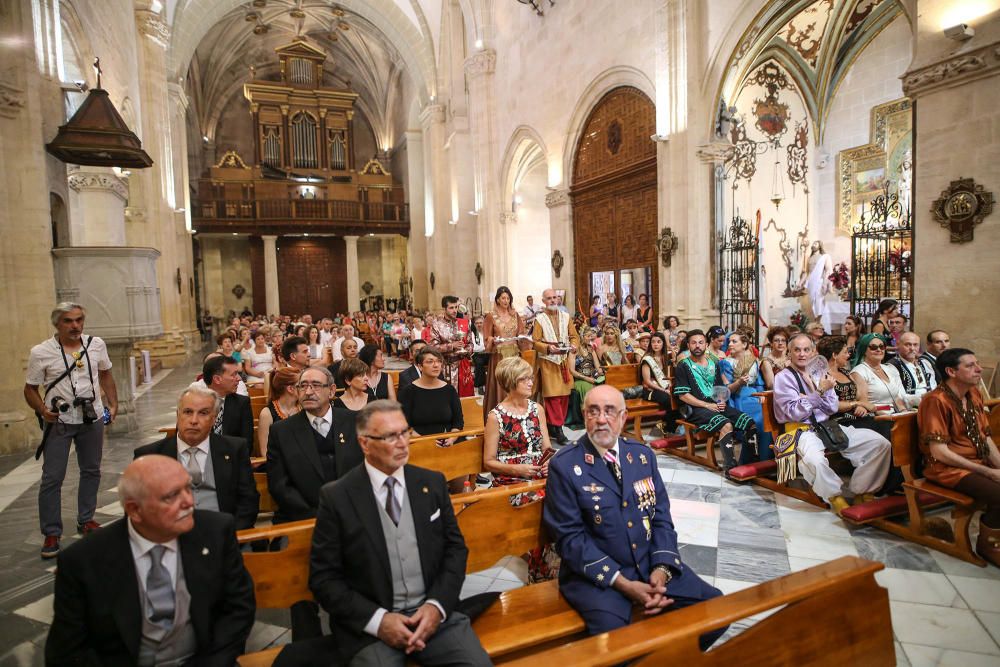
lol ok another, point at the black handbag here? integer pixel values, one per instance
(829, 432)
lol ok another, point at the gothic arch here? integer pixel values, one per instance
(604, 83)
(524, 152)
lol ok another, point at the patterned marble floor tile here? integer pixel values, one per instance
(666, 474)
(751, 538)
(823, 546)
(40, 610)
(933, 656)
(25, 654)
(705, 494)
(749, 565)
(796, 564)
(749, 513)
(991, 621)
(697, 531)
(950, 565)
(901, 659)
(694, 509)
(895, 552)
(700, 477)
(474, 585)
(264, 635)
(17, 629)
(921, 587)
(500, 585)
(982, 595)
(699, 558)
(804, 522)
(942, 627)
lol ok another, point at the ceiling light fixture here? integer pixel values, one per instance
(960, 32)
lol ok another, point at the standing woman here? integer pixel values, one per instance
(379, 383)
(644, 314)
(628, 310)
(258, 360)
(777, 356)
(741, 371)
(501, 327)
(672, 331)
(480, 358)
(614, 311)
(595, 310)
(319, 354)
(880, 320)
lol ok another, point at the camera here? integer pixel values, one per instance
(87, 411)
(60, 404)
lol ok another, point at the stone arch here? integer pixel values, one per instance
(525, 150)
(604, 83)
(416, 49)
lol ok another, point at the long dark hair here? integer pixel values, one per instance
(503, 289)
(664, 351)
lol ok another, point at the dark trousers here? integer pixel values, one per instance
(89, 441)
(662, 399)
(480, 360)
(985, 490)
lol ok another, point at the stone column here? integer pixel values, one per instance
(561, 237)
(97, 207)
(417, 246)
(271, 294)
(480, 70)
(353, 282)
(436, 204)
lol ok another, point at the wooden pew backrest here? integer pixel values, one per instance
(461, 459)
(521, 526)
(771, 424)
(267, 503)
(623, 375)
(280, 578)
(472, 413)
(856, 626)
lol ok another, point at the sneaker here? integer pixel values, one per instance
(87, 528)
(50, 549)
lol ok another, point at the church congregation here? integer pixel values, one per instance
(521, 332)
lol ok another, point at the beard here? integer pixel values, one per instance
(603, 437)
(697, 353)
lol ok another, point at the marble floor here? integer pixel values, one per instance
(944, 611)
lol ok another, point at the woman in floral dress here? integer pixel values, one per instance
(515, 439)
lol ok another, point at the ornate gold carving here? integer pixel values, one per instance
(374, 168)
(557, 263)
(232, 159)
(667, 244)
(961, 207)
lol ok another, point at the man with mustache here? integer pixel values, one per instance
(163, 586)
(555, 337)
(608, 511)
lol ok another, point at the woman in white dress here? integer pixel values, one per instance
(258, 361)
(882, 380)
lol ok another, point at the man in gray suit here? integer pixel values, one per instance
(385, 606)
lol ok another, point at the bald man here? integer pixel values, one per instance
(163, 586)
(916, 372)
(607, 508)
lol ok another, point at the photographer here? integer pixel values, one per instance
(65, 378)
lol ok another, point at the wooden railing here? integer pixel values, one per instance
(276, 210)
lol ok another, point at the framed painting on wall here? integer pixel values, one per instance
(864, 171)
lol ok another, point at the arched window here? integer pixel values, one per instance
(304, 153)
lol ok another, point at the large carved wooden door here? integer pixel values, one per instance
(312, 276)
(614, 200)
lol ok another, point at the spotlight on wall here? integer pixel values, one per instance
(474, 213)
(960, 32)
(205, 138)
(479, 43)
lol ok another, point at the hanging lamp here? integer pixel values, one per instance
(97, 136)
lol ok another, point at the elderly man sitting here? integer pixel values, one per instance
(800, 403)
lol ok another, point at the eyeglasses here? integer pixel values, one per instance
(593, 412)
(876, 347)
(390, 438)
(315, 386)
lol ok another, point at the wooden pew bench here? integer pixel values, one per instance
(686, 447)
(460, 460)
(627, 375)
(856, 628)
(520, 620)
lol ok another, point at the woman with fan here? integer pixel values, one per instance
(741, 371)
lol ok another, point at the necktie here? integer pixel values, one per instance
(392, 507)
(191, 465)
(320, 426)
(217, 428)
(612, 461)
(159, 590)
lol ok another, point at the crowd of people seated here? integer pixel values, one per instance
(333, 439)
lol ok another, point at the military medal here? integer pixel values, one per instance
(642, 459)
(597, 518)
(628, 457)
(589, 458)
(578, 471)
(593, 488)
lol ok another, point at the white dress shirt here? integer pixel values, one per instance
(144, 562)
(377, 479)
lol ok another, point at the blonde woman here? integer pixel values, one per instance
(612, 351)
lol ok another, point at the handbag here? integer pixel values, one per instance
(829, 432)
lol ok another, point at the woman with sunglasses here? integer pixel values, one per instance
(884, 386)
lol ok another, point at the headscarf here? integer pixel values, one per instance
(862, 346)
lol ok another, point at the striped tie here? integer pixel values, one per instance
(612, 461)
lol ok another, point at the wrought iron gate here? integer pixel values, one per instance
(739, 276)
(882, 256)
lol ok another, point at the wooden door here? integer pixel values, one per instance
(614, 192)
(312, 276)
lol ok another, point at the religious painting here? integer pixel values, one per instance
(863, 172)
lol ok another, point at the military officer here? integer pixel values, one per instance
(608, 511)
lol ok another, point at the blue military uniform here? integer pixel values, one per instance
(601, 529)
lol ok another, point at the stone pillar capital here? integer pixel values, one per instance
(432, 114)
(90, 181)
(557, 198)
(152, 25)
(177, 95)
(715, 152)
(952, 71)
(480, 63)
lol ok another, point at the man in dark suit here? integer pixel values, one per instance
(607, 508)
(222, 375)
(219, 465)
(411, 373)
(386, 606)
(165, 585)
(312, 447)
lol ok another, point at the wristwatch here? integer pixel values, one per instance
(666, 571)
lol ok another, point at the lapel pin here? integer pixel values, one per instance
(204, 552)
(642, 459)
(425, 490)
(578, 471)
(628, 457)
(226, 457)
(589, 458)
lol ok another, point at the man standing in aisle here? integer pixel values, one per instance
(73, 371)
(450, 339)
(555, 339)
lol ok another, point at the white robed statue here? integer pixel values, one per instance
(815, 282)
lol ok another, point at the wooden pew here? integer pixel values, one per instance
(627, 375)
(472, 413)
(460, 460)
(694, 438)
(857, 628)
(266, 504)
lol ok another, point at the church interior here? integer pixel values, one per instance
(749, 164)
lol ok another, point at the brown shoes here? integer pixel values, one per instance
(988, 544)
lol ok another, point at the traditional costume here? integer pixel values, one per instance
(448, 332)
(553, 377)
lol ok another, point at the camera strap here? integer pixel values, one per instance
(69, 370)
